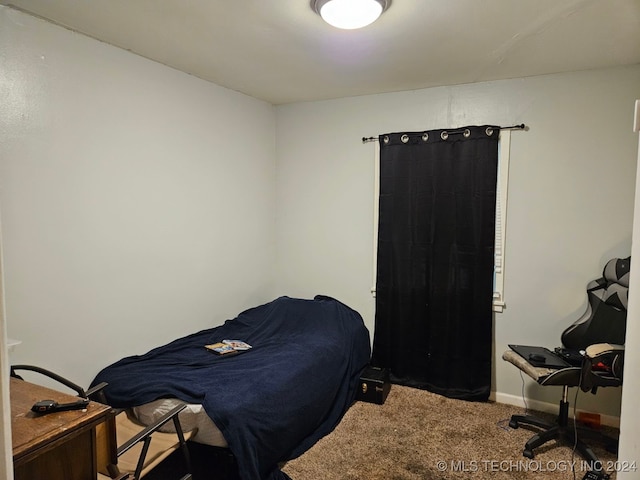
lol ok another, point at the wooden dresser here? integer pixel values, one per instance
(56, 446)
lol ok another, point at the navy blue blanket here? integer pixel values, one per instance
(273, 402)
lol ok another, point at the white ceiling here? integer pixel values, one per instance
(281, 51)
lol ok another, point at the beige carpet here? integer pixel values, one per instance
(417, 435)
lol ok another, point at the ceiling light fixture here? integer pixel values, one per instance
(350, 14)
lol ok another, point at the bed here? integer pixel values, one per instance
(267, 404)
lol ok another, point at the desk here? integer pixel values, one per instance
(56, 446)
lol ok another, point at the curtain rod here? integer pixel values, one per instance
(522, 126)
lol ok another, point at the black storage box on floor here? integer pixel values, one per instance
(374, 385)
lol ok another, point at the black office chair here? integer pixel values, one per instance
(597, 340)
(138, 448)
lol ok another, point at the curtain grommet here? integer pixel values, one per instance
(425, 137)
(385, 139)
(444, 135)
(466, 133)
(489, 131)
(404, 138)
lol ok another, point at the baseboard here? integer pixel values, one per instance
(608, 420)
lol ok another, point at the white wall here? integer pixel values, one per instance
(629, 441)
(6, 458)
(137, 201)
(572, 181)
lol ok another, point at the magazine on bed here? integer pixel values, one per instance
(228, 347)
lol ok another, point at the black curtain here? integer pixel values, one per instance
(434, 286)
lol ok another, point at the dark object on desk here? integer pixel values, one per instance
(51, 406)
(374, 385)
(600, 333)
(539, 356)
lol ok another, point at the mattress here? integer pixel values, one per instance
(193, 417)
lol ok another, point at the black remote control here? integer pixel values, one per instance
(50, 406)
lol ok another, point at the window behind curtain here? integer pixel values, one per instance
(504, 147)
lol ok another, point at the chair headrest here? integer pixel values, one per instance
(617, 271)
(616, 274)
